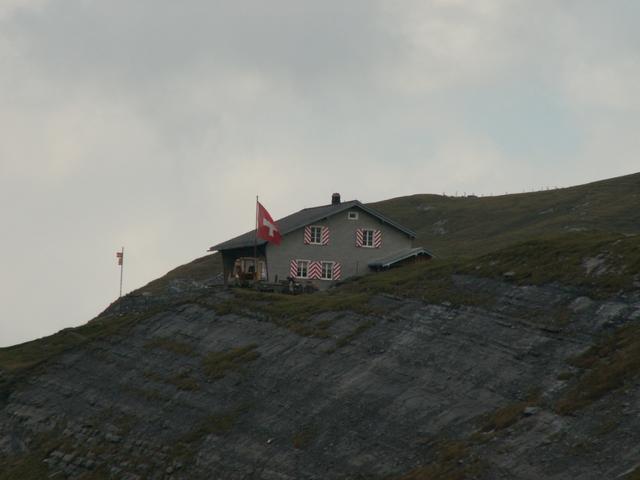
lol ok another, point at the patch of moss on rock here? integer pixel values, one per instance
(607, 366)
(218, 364)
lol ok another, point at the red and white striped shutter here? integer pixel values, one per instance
(315, 270)
(377, 238)
(337, 270)
(358, 237)
(325, 235)
(293, 268)
(307, 235)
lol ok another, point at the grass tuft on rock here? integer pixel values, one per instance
(607, 366)
(184, 381)
(169, 345)
(221, 423)
(218, 364)
(453, 460)
(304, 437)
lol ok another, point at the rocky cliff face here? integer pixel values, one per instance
(191, 388)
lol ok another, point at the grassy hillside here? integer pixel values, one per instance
(463, 226)
(452, 227)
(199, 270)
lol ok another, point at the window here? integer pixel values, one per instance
(303, 269)
(316, 235)
(327, 271)
(367, 238)
(352, 215)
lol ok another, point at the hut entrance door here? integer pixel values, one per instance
(245, 269)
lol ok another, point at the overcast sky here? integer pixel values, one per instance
(154, 123)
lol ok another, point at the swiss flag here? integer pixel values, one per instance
(267, 227)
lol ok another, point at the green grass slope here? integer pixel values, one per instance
(469, 226)
(199, 270)
(463, 226)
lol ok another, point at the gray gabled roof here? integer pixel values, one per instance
(303, 218)
(387, 261)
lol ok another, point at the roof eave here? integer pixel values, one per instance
(221, 246)
(418, 251)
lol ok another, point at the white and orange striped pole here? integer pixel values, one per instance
(120, 257)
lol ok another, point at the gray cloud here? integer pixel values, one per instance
(153, 124)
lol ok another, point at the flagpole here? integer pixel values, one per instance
(255, 246)
(121, 270)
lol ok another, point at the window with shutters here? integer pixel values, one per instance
(327, 271)
(367, 238)
(316, 235)
(303, 269)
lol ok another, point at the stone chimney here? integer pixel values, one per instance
(335, 199)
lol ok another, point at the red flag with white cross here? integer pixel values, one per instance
(267, 227)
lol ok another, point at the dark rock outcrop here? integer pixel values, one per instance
(190, 393)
